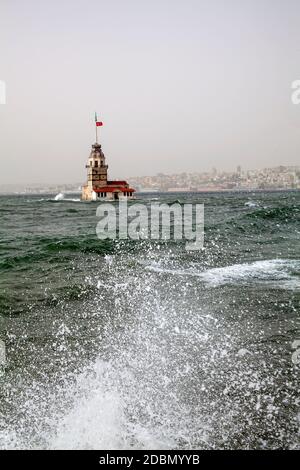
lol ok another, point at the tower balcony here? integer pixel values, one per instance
(99, 166)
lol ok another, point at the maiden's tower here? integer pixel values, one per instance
(98, 187)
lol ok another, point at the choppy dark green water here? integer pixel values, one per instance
(120, 344)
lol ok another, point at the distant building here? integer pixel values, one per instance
(178, 190)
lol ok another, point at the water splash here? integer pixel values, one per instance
(59, 197)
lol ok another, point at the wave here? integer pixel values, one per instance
(251, 204)
(10, 304)
(58, 198)
(76, 244)
(61, 197)
(284, 213)
(65, 200)
(47, 249)
(277, 273)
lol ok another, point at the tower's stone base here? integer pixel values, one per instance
(87, 193)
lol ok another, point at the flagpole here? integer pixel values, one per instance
(96, 119)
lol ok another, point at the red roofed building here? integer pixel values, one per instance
(98, 188)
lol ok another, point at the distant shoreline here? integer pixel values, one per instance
(207, 191)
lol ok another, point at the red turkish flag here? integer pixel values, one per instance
(99, 123)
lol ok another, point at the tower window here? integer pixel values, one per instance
(96, 163)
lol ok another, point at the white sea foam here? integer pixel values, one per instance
(251, 204)
(97, 418)
(8, 439)
(279, 273)
(59, 197)
(62, 197)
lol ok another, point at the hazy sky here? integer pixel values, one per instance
(180, 86)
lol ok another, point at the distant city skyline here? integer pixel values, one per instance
(179, 86)
(281, 177)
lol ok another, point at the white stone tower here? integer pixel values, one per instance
(96, 172)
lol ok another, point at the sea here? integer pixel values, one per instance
(141, 344)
